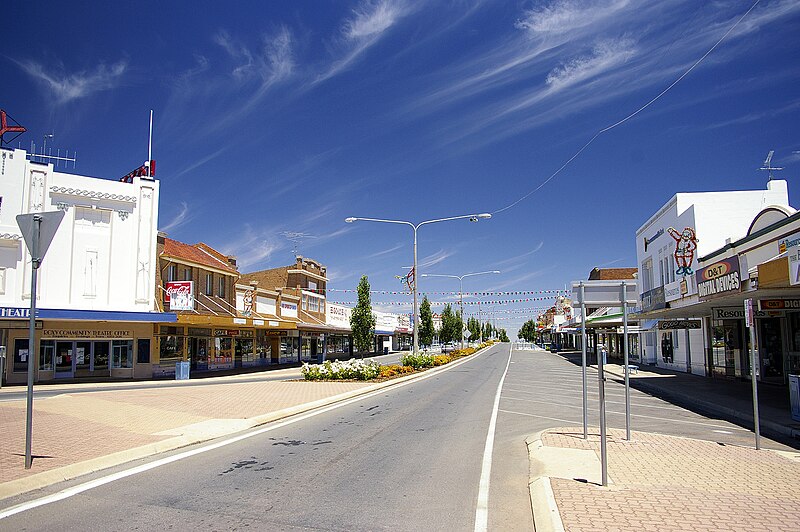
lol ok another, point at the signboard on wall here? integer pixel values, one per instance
(288, 309)
(719, 279)
(791, 246)
(180, 295)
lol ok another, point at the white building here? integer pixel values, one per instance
(668, 245)
(96, 285)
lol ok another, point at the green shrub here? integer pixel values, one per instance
(355, 369)
(417, 361)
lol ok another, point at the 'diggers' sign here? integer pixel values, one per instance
(719, 279)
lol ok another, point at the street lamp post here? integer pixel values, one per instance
(460, 292)
(415, 227)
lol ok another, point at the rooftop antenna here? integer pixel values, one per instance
(295, 238)
(768, 164)
(150, 146)
(45, 156)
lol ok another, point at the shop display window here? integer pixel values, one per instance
(143, 351)
(122, 354)
(223, 353)
(263, 347)
(20, 355)
(244, 351)
(170, 349)
(288, 350)
(47, 351)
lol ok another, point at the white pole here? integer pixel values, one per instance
(626, 361)
(583, 365)
(416, 308)
(150, 141)
(756, 420)
(32, 354)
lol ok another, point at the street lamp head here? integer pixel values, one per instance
(476, 217)
(350, 219)
(495, 271)
(485, 216)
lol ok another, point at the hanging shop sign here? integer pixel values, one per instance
(654, 299)
(180, 295)
(737, 313)
(666, 325)
(685, 246)
(719, 279)
(657, 234)
(779, 304)
(791, 246)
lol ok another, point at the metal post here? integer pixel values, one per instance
(416, 308)
(461, 304)
(756, 421)
(688, 350)
(32, 354)
(583, 365)
(626, 361)
(601, 380)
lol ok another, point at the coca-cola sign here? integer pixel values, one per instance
(180, 295)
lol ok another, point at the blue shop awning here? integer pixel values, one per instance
(105, 315)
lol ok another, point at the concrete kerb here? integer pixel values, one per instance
(61, 474)
(546, 517)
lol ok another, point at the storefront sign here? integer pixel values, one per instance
(791, 246)
(273, 324)
(226, 332)
(258, 322)
(679, 289)
(654, 299)
(719, 279)
(737, 313)
(666, 325)
(647, 241)
(11, 312)
(779, 304)
(180, 295)
(288, 309)
(85, 333)
(240, 321)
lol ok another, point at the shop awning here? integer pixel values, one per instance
(105, 315)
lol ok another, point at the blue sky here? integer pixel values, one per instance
(275, 117)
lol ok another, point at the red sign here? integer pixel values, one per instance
(178, 289)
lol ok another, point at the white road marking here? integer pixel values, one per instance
(638, 415)
(541, 417)
(86, 486)
(482, 508)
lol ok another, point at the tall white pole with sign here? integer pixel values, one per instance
(750, 323)
(625, 361)
(38, 230)
(583, 363)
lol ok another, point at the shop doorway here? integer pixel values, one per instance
(82, 358)
(771, 351)
(198, 353)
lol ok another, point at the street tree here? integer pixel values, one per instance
(528, 331)
(426, 329)
(449, 331)
(362, 320)
(503, 336)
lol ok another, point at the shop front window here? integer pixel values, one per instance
(263, 347)
(305, 350)
(20, 355)
(122, 354)
(47, 353)
(288, 350)
(170, 349)
(223, 353)
(244, 352)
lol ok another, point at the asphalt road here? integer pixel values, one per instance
(407, 458)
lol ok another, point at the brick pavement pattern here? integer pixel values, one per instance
(79, 426)
(661, 482)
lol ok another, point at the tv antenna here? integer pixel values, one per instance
(768, 164)
(295, 238)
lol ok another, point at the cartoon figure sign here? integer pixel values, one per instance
(685, 246)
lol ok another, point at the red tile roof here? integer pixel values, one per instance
(196, 254)
(612, 274)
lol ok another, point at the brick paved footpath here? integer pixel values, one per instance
(78, 427)
(669, 483)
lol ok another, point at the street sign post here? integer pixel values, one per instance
(750, 323)
(38, 230)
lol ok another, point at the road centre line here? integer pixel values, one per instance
(591, 389)
(86, 486)
(637, 415)
(482, 508)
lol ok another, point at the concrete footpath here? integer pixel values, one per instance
(81, 431)
(659, 482)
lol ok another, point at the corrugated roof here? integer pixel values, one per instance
(195, 254)
(612, 274)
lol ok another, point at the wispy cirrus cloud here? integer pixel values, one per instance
(434, 258)
(66, 87)
(367, 24)
(254, 247)
(386, 251)
(180, 218)
(566, 17)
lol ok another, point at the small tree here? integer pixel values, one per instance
(449, 330)
(362, 320)
(426, 329)
(474, 327)
(528, 331)
(503, 336)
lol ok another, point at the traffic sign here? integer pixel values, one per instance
(48, 225)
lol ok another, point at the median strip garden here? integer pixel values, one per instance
(361, 370)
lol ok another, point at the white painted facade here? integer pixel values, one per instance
(103, 256)
(717, 218)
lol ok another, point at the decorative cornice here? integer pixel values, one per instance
(9, 236)
(91, 194)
